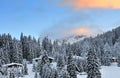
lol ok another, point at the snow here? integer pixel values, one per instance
(54, 65)
(12, 64)
(78, 57)
(81, 76)
(30, 72)
(114, 58)
(37, 58)
(51, 58)
(72, 39)
(41, 58)
(110, 71)
(107, 71)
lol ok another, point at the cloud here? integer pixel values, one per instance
(79, 4)
(82, 30)
(86, 30)
(65, 31)
(75, 24)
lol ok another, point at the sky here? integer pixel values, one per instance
(58, 18)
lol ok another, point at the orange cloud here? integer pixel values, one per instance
(82, 30)
(79, 4)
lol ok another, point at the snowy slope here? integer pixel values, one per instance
(73, 38)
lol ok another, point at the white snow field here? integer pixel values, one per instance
(107, 72)
(110, 72)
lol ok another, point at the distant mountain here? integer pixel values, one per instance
(110, 37)
(73, 38)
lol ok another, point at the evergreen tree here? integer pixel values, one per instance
(47, 71)
(16, 52)
(11, 75)
(25, 69)
(1, 57)
(93, 65)
(47, 45)
(107, 55)
(54, 73)
(118, 61)
(25, 49)
(36, 76)
(34, 67)
(80, 65)
(44, 60)
(116, 49)
(60, 62)
(64, 73)
(71, 67)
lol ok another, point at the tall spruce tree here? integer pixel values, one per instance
(107, 55)
(60, 62)
(47, 45)
(92, 65)
(71, 67)
(44, 60)
(25, 69)
(118, 61)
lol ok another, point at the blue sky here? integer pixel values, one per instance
(49, 17)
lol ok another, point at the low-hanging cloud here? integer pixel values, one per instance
(65, 31)
(82, 30)
(79, 4)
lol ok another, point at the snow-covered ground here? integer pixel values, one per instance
(107, 72)
(110, 72)
(30, 73)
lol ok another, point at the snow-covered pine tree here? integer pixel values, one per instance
(34, 67)
(19, 52)
(54, 73)
(1, 57)
(80, 65)
(84, 65)
(118, 61)
(47, 45)
(60, 62)
(25, 48)
(25, 69)
(116, 49)
(56, 46)
(16, 51)
(5, 54)
(93, 65)
(107, 55)
(11, 75)
(64, 73)
(46, 72)
(71, 67)
(44, 60)
(36, 76)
